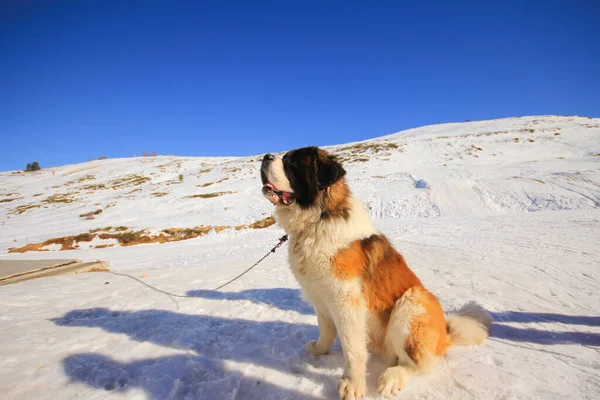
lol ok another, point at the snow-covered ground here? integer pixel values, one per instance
(506, 212)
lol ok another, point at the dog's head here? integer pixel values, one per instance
(299, 177)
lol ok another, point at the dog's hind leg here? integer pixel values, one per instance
(412, 336)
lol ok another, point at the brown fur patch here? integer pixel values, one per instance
(383, 271)
(335, 201)
(349, 263)
(388, 276)
(428, 335)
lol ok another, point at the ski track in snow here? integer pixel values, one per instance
(488, 211)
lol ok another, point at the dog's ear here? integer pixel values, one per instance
(329, 170)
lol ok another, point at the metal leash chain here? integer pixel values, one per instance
(282, 240)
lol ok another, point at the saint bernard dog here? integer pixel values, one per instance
(359, 285)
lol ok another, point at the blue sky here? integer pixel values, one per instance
(83, 78)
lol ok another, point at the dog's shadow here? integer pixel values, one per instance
(212, 341)
(173, 377)
(287, 299)
(545, 337)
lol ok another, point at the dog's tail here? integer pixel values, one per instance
(468, 326)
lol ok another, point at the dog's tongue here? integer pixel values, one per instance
(287, 197)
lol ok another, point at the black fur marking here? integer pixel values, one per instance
(309, 171)
(329, 170)
(299, 167)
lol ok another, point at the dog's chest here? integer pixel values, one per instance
(310, 259)
(310, 263)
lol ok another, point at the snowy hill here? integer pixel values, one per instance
(505, 212)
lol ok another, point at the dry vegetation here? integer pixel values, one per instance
(59, 198)
(23, 208)
(95, 186)
(10, 200)
(203, 171)
(474, 135)
(126, 237)
(359, 152)
(207, 195)
(128, 181)
(82, 179)
(90, 215)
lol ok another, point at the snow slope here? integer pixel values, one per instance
(504, 211)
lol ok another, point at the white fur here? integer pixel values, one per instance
(399, 327)
(402, 367)
(339, 305)
(469, 326)
(276, 176)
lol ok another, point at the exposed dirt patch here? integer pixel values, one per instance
(221, 228)
(262, 223)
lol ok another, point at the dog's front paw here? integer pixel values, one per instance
(351, 390)
(313, 348)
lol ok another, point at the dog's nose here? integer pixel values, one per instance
(268, 157)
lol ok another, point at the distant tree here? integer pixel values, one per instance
(145, 154)
(34, 166)
(102, 157)
(153, 154)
